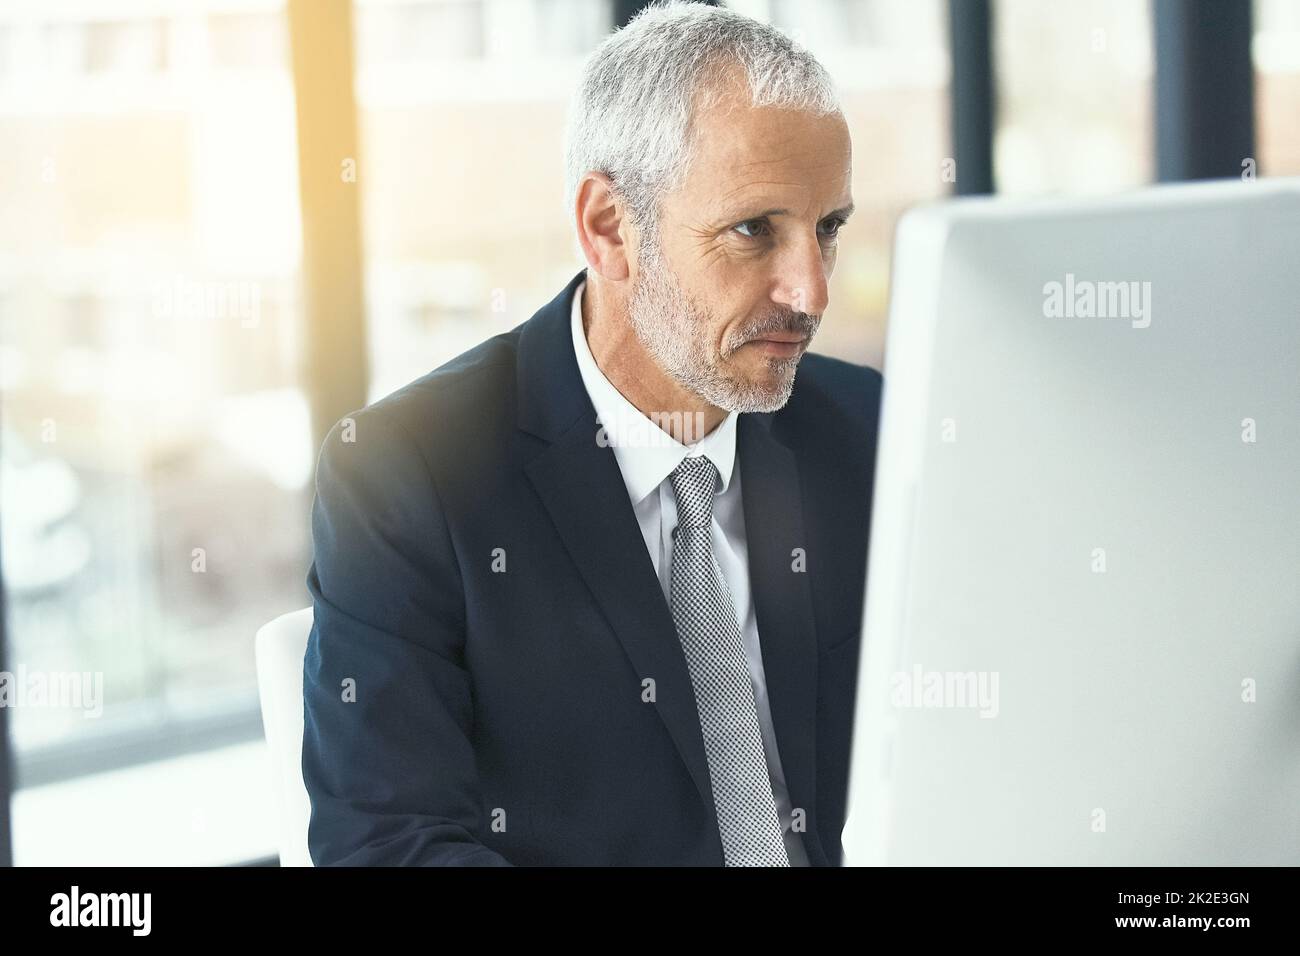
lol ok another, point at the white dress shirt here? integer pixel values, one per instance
(647, 455)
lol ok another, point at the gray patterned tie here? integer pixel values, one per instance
(724, 697)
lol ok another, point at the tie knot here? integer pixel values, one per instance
(695, 482)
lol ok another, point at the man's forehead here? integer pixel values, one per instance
(746, 155)
(755, 192)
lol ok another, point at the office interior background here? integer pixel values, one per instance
(226, 223)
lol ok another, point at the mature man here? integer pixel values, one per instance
(590, 593)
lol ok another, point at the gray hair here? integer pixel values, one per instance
(631, 117)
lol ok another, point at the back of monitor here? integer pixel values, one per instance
(1082, 622)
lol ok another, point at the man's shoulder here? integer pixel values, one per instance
(473, 391)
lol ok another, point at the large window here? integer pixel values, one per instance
(156, 451)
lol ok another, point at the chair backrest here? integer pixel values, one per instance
(281, 646)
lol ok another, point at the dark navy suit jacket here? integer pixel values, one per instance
(487, 615)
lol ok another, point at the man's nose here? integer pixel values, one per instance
(802, 281)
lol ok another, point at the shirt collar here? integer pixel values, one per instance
(646, 453)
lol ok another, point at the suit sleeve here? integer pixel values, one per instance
(387, 755)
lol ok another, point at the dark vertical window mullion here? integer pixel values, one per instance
(973, 95)
(625, 10)
(1205, 89)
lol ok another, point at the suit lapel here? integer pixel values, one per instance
(582, 489)
(580, 484)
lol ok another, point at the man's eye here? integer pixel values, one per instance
(750, 223)
(834, 227)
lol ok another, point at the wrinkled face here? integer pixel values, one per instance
(729, 294)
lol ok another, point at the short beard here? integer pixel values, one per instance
(673, 331)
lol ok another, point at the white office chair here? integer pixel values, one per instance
(281, 646)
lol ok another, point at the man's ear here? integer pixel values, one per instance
(603, 228)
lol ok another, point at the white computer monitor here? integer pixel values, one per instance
(1081, 637)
